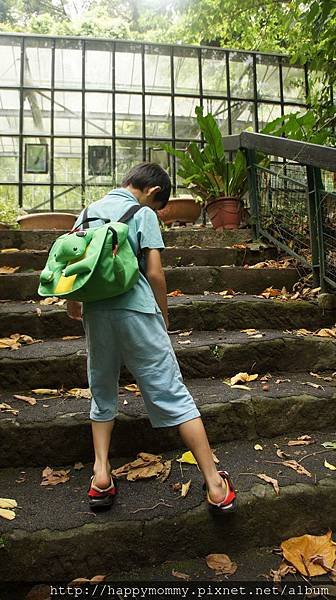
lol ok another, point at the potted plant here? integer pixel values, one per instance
(209, 175)
(181, 210)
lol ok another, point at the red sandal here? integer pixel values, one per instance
(100, 499)
(229, 504)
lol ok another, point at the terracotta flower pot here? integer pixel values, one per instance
(180, 210)
(51, 220)
(225, 213)
(4, 225)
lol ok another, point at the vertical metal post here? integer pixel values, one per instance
(114, 145)
(143, 80)
(255, 94)
(83, 126)
(21, 148)
(200, 78)
(315, 224)
(254, 197)
(52, 126)
(228, 91)
(173, 128)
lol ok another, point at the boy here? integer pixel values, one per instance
(131, 329)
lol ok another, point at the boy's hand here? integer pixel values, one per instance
(74, 310)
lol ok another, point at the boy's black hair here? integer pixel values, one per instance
(149, 175)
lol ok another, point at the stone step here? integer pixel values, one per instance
(190, 280)
(44, 432)
(55, 535)
(177, 236)
(57, 363)
(176, 257)
(185, 312)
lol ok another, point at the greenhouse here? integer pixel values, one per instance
(76, 113)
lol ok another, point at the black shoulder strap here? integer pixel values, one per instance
(129, 214)
(86, 221)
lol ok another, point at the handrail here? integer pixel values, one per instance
(323, 157)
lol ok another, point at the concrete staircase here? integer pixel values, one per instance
(54, 536)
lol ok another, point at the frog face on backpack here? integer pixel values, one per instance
(72, 248)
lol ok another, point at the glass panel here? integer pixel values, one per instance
(68, 199)
(9, 195)
(9, 159)
(37, 63)
(93, 193)
(128, 71)
(298, 110)
(10, 52)
(128, 114)
(67, 160)
(157, 69)
(9, 111)
(68, 64)
(241, 75)
(98, 113)
(242, 115)
(267, 113)
(157, 155)
(214, 72)
(36, 112)
(219, 109)
(68, 113)
(128, 154)
(158, 116)
(98, 65)
(186, 125)
(36, 198)
(293, 84)
(186, 71)
(268, 77)
(36, 157)
(98, 168)
(315, 79)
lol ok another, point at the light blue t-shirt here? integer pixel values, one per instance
(143, 232)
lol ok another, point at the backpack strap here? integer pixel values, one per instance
(129, 214)
(86, 220)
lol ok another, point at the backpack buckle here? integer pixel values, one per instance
(81, 233)
(115, 249)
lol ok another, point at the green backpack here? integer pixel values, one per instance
(92, 263)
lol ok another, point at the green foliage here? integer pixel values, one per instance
(206, 171)
(304, 128)
(9, 211)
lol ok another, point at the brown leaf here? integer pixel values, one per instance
(71, 337)
(243, 377)
(8, 270)
(180, 575)
(185, 333)
(132, 387)
(271, 293)
(282, 454)
(145, 472)
(167, 465)
(176, 487)
(270, 480)
(79, 393)
(283, 570)
(327, 332)
(52, 477)
(301, 442)
(300, 552)
(293, 464)
(185, 488)
(78, 466)
(39, 592)
(175, 293)
(97, 578)
(221, 563)
(26, 399)
(145, 466)
(49, 300)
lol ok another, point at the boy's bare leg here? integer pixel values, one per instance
(195, 438)
(101, 434)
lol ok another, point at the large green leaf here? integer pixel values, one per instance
(211, 132)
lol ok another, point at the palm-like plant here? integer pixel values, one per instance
(206, 171)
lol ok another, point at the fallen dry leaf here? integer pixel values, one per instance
(293, 464)
(15, 341)
(39, 312)
(39, 592)
(221, 563)
(320, 376)
(283, 570)
(78, 466)
(185, 333)
(299, 552)
(327, 332)
(282, 454)
(80, 393)
(8, 514)
(176, 487)
(185, 488)
(8, 270)
(52, 477)
(49, 300)
(313, 385)
(26, 399)
(243, 377)
(180, 575)
(282, 381)
(80, 580)
(46, 392)
(132, 387)
(71, 337)
(331, 445)
(303, 440)
(270, 480)
(184, 342)
(227, 293)
(175, 293)
(7, 503)
(9, 250)
(272, 293)
(145, 466)
(249, 331)
(167, 465)
(7, 408)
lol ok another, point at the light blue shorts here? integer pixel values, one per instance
(140, 342)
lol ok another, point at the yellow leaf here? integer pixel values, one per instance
(188, 458)
(221, 563)
(8, 270)
(300, 552)
(185, 488)
(327, 332)
(132, 387)
(9, 250)
(5, 513)
(9, 342)
(71, 337)
(46, 391)
(7, 503)
(258, 447)
(26, 399)
(49, 300)
(243, 377)
(329, 466)
(80, 393)
(7, 408)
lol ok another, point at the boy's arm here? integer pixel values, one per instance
(156, 279)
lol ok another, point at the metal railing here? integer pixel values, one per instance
(293, 201)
